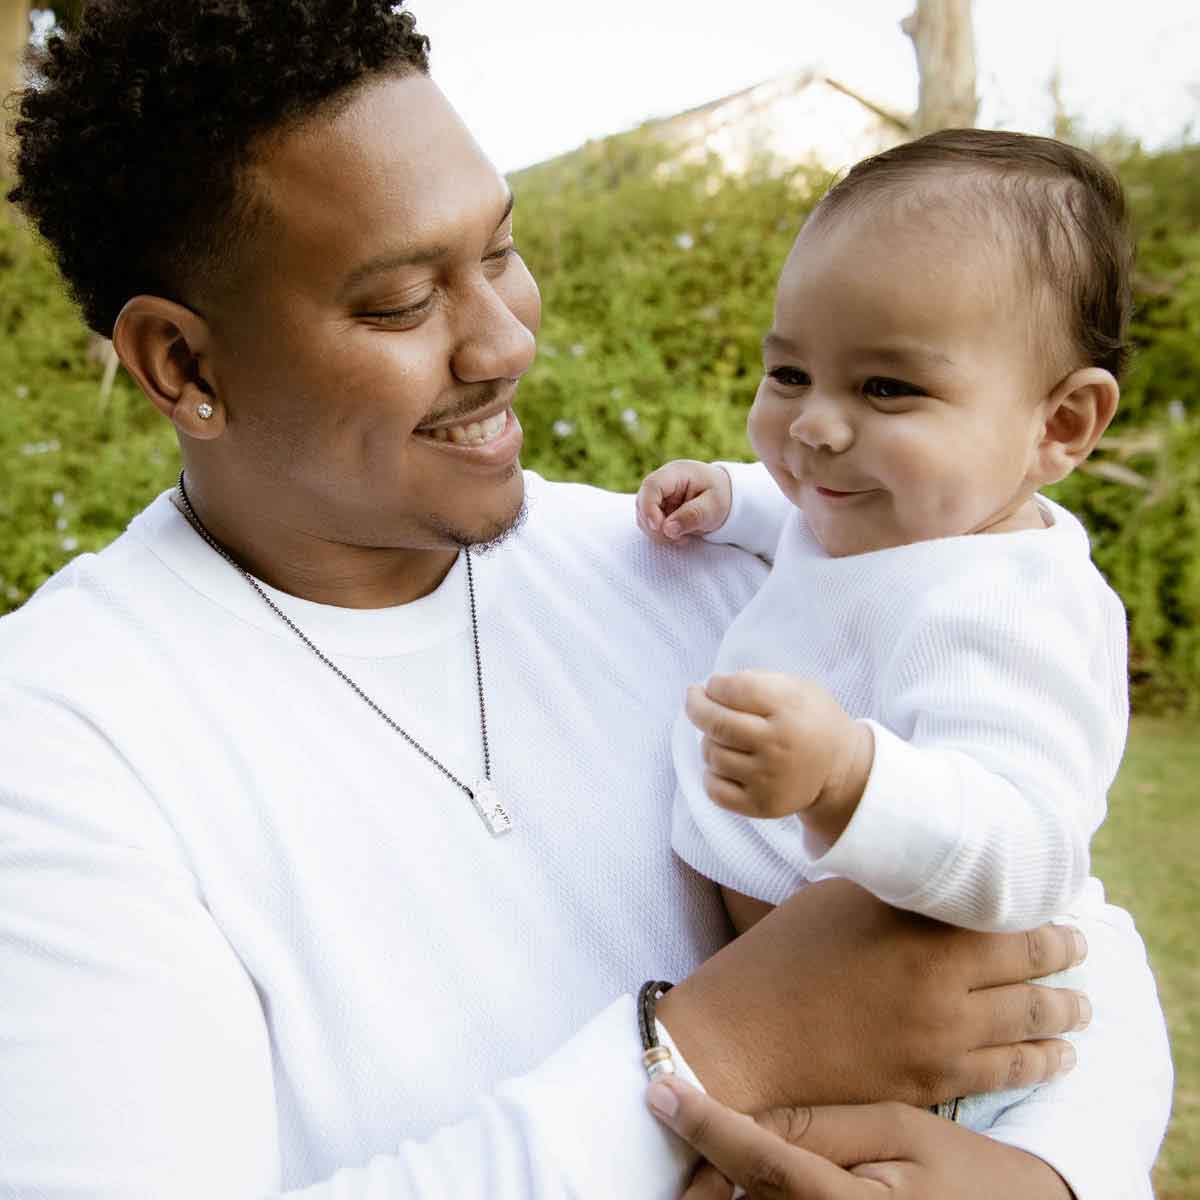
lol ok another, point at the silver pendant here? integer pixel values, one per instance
(487, 805)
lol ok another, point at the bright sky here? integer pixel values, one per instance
(533, 78)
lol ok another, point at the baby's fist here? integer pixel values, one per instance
(683, 498)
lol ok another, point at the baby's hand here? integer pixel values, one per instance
(775, 745)
(684, 497)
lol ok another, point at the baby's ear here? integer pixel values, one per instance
(1077, 412)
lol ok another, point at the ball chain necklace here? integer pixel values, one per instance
(482, 793)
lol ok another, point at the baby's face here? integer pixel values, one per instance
(903, 383)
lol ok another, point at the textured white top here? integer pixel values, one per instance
(251, 943)
(992, 671)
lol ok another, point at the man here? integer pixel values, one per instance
(333, 847)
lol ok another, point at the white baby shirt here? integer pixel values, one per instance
(992, 670)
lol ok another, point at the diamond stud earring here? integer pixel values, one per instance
(204, 410)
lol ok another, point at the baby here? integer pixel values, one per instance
(928, 695)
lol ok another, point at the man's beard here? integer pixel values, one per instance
(485, 540)
(490, 536)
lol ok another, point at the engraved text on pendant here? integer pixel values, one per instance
(487, 804)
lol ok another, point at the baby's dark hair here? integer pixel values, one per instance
(134, 136)
(1065, 208)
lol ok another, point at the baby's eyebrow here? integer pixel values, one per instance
(776, 341)
(906, 354)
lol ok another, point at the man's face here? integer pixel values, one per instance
(369, 362)
(901, 383)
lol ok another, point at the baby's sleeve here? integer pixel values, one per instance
(758, 511)
(765, 859)
(1004, 719)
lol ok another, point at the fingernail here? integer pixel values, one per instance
(671, 528)
(1080, 944)
(1085, 1011)
(663, 1100)
(1067, 1059)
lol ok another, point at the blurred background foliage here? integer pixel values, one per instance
(657, 282)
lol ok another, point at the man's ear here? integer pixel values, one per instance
(165, 347)
(1076, 413)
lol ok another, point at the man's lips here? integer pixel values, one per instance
(469, 418)
(495, 451)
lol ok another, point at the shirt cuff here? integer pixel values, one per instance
(758, 511)
(906, 826)
(588, 1098)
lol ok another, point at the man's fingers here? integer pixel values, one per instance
(849, 1134)
(708, 1184)
(1014, 957)
(757, 1159)
(726, 726)
(1025, 1011)
(998, 1068)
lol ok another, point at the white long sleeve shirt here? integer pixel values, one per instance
(252, 944)
(992, 672)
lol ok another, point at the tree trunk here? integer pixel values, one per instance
(14, 37)
(944, 40)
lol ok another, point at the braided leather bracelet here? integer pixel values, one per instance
(656, 1058)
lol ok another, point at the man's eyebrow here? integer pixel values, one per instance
(391, 260)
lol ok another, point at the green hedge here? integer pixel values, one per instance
(657, 285)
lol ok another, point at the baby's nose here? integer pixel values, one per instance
(822, 427)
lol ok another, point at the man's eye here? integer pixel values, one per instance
(879, 388)
(789, 377)
(505, 252)
(401, 316)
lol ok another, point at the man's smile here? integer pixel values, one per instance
(493, 439)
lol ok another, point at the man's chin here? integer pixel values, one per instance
(498, 532)
(490, 531)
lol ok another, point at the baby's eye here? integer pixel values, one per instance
(880, 388)
(789, 377)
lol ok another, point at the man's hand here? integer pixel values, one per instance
(836, 998)
(775, 745)
(865, 1152)
(681, 499)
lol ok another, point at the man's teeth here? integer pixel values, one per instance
(478, 433)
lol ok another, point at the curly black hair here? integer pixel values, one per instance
(134, 135)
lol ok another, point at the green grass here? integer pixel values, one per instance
(1146, 853)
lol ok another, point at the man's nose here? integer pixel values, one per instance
(822, 425)
(492, 341)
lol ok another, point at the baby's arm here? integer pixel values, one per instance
(972, 802)
(774, 745)
(1001, 732)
